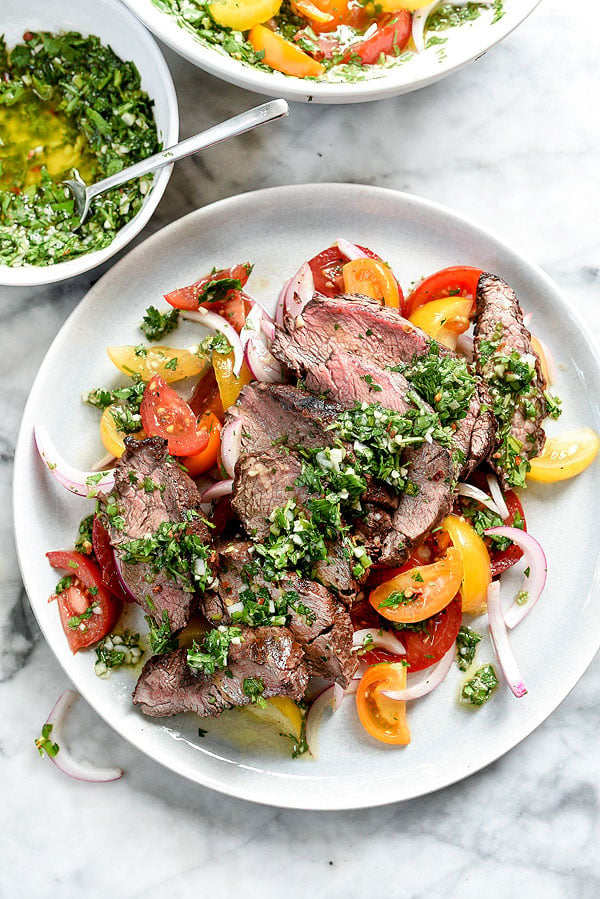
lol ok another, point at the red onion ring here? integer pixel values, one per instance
(262, 363)
(501, 643)
(434, 678)
(380, 640)
(81, 483)
(215, 491)
(498, 497)
(331, 696)
(299, 291)
(215, 322)
(535, 560)
(231, 444)
(350, 250)
(131, 597)
(64, 761)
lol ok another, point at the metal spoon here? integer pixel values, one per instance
(259, 115)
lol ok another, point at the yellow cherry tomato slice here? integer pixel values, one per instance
(538, 349)
(230, 387)
(477, 571)
(243, 14)
(420, 592)
(311, 12)
(112, 439)
(565, 456)
(170, 363)
(373, 279)
(444, 319)
(383, 718)
(282, 55)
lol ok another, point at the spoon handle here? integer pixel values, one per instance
(259, 115)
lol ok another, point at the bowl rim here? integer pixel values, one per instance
(222, 66)
(31, 275)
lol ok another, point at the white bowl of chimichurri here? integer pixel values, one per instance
(331, 51)
(83, 87)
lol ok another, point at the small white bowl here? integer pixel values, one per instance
(464, 44)
(117, 27)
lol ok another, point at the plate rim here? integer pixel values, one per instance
(248, 790)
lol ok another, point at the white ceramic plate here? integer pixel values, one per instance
(116, 27)
(277, 229)
(464, 44)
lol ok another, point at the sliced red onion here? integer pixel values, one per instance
(64, 761)
(550, 362)
(498, 497)
(475, 493)
(131, 597)
(535, 561)
(268, 328)
(350, 250)
(433, 679)
(252, 325)
(465, 346)
(82, 483)
(215, 322)
(102, 463)
(332, 696)
(379, 640)
(299, 291)
(280, 307)
(231, 444)
(527, 319)
(262, 363)
(501, 643)
(215, 491)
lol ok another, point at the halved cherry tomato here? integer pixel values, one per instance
(165, 414)
(88, 611)
(242, 14)
(538, 349)
(457, 280)
(390, 38)
(383, 718)
(565, 456)
(477, 574)
(113, 439)
(420, 592)
(103, 552)
(316, 16)
(282, 55)
(204, 460)
(327, 269)
(230, 386)
(191, 297)
(170, 363)
(206, 396)
(373, 279)
(443, 319)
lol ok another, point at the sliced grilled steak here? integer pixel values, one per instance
(476, 432)
(168, 686)
(150, 490)
(348, 380)
(499, 320)
(319, 622)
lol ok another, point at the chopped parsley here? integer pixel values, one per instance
(368, 379)
(175, 552)
(64, 584)
(444, 382)
(254, 687)
(83, 542)
(160, 636)
(480, 687)
(155, 324)
(466, 646)
(211, 655)
(398, 598)
(45, 744)
(76, 622)
(482, 518)
(116, 650)
(293, 542)
(124, 404)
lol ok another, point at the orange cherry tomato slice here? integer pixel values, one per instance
(383, 718)
(372, 278)
(420, 592)
(206, 458)
(283, 56)
(165, 414)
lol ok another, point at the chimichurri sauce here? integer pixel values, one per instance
(67, 103)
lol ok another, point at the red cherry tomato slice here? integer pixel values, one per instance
(390, 38)
(191, 297)
(88, 611)
(457, 280)
(104, 555)
(165, 414)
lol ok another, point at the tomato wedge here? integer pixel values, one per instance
(456, 280)
(390, 39)
(211, 290)
(206, 458)
(327, 269)
(170, 363)
(373, 279)
(383, 718)
(420, 592)
(88, 611)
(444, 319)
(206, 396)
(565, 456)
(230, 385)
(106, 560)
(165, 414)
(477, 574)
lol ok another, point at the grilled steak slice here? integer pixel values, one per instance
(476, 432)
(150, 489)
(354, 324)
(168, 686)
(519, 403)
(348, 380)
(319, 622)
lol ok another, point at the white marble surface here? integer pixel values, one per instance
(513, 141)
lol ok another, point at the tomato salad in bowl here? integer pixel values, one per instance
(316, 505)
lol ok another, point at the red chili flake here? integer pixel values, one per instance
(28, 36)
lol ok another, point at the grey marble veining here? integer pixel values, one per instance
(513, 141)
